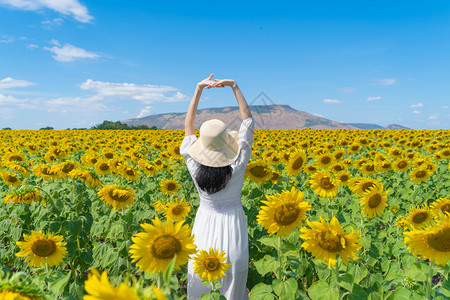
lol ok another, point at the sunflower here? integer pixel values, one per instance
(63, 169)
(296, 161)
(86, 176)
(45, 172)
(283, 212)
(210, 265)
(326, 241)
(177, 210)
(362, 184)
(103, 167)
(258, 171)
(337, 167)
(311, 168)
(98, 287)
(419, 174)
(129, 172)
(373, 201)
(20, 167)
(402, 222)
(117, 197)
(324, 160)
(323, 184)
(384, 166)
(149, 168)
(26, 195)
(275, 177)
(431, 243)
(401, 165)
(343, 178)
(170, 187)
(369, 168)
(10, 179)
(41, 250)
(159, 206)
(154, 249)
(338, 153)
(441, 205)
(13, 157)
(420, 217)
(354, 148)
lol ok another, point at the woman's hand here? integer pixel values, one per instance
(223, 83)
(208, 83)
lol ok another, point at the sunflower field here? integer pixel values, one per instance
(332, 214)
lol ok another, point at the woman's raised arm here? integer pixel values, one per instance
(243, 106)
(192, 110)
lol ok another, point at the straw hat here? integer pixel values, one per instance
(217, 146)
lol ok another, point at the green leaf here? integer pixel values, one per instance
(206, 297)
(285, 289)
(169, 270)
(444, 289)
(401, 293)
(266, 264)
(346, 281)
(261, 291)
(269, 241)
(58, 286)
(321, 290)
(358, 293)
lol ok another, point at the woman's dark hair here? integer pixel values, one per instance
(213, 179)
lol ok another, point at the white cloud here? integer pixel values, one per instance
(416, 105)
(70, 53)
(374, 98)
(6, 38)
(334, 101)
(145, 93)
(66, 7)
(79, 104)
(32, 46)
(319, 115)
(8, 83)
(416, 112)
(385, 81)
(11, 103)
(432, 117)
(145, 111)
(444, 107)
(52, 24)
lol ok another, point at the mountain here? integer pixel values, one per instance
(266, 117)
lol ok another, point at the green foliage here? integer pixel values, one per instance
(109, 125)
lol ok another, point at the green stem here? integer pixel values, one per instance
(429, 279)
(158, 280)
(280, 270)
(337, 277)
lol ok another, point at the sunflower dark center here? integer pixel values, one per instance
(325, 183)
(402, 164)
(165, 246)
(420, 217)
(109, 155)
(298, 163)
(421, 174)
(338, 168)
(258, 171)
(15, 158)
(67, 168)
(344, 178)
(370, 167)
(286, 214)
(171, 186)
(104, 167)
(325, 160)
(43, 248)
(177, 210)
(440, 240)
(445, 208)
(130, 172)
(374, 200)
(366, 186)
(11, 178)
(339, 155)
(330, 242)
(118, 196)
(212, 263)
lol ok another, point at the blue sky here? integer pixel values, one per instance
(75, 63)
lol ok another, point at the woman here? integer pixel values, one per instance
(217, 163)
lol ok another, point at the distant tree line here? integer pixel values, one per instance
(108, 125)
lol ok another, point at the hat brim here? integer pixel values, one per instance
(221, 157)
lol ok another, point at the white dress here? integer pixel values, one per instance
(220, 221)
